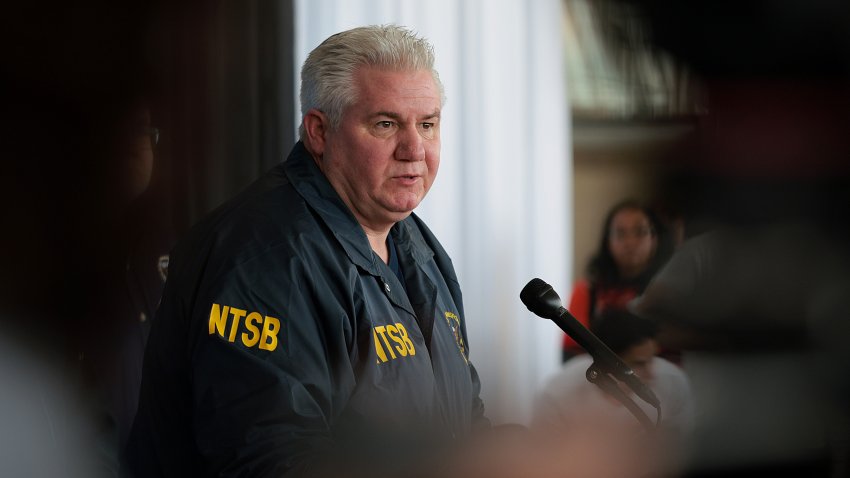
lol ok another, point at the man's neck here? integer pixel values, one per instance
(378, 241)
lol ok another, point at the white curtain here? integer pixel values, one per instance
(502, 201)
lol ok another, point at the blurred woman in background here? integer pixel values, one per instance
(628, 256)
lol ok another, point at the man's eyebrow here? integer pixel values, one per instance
(434, 115)
(388, 114)
(397, 117)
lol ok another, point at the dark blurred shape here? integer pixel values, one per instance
(69, 74)
(752, 38)
(89, 207)
(620, 329)
(765, 175)
(72, 78)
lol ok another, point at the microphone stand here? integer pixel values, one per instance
(597, 376)
(542, 300)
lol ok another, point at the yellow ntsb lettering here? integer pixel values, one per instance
(218, 319)
(250, 324)
(382, 331)
(237, 314)
(392, 331)
(265, 339)
(406, 339)
(270, 329)
(394, 340)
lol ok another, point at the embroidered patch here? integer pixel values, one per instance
(454, 322)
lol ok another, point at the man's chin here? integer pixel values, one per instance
(401, 215)
(405, 207)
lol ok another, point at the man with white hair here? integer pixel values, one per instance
(314, 319)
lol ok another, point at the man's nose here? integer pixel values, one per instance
(411, 145)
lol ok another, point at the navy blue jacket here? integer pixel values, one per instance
(282, 338)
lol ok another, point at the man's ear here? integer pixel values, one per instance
(316, 126)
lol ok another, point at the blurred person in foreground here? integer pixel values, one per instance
(752, 336)
(759, 304)
(72, 335)
(314, 325)
(629, 254)
(570, 404)
(76, 159)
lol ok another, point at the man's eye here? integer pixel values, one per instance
(427, 125)
(384, 124)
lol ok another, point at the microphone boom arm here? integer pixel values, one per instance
(543, 301)
(601, 379)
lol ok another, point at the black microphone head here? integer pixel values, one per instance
(540, 298)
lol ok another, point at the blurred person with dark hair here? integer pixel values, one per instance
(628, 255)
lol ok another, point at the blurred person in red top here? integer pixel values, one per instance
(629, 254)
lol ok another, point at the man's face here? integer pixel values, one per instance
(383, 158)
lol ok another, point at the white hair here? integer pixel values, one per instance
(327, 77)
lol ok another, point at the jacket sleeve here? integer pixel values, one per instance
(266, 361)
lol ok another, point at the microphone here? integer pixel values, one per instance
(543, 301)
